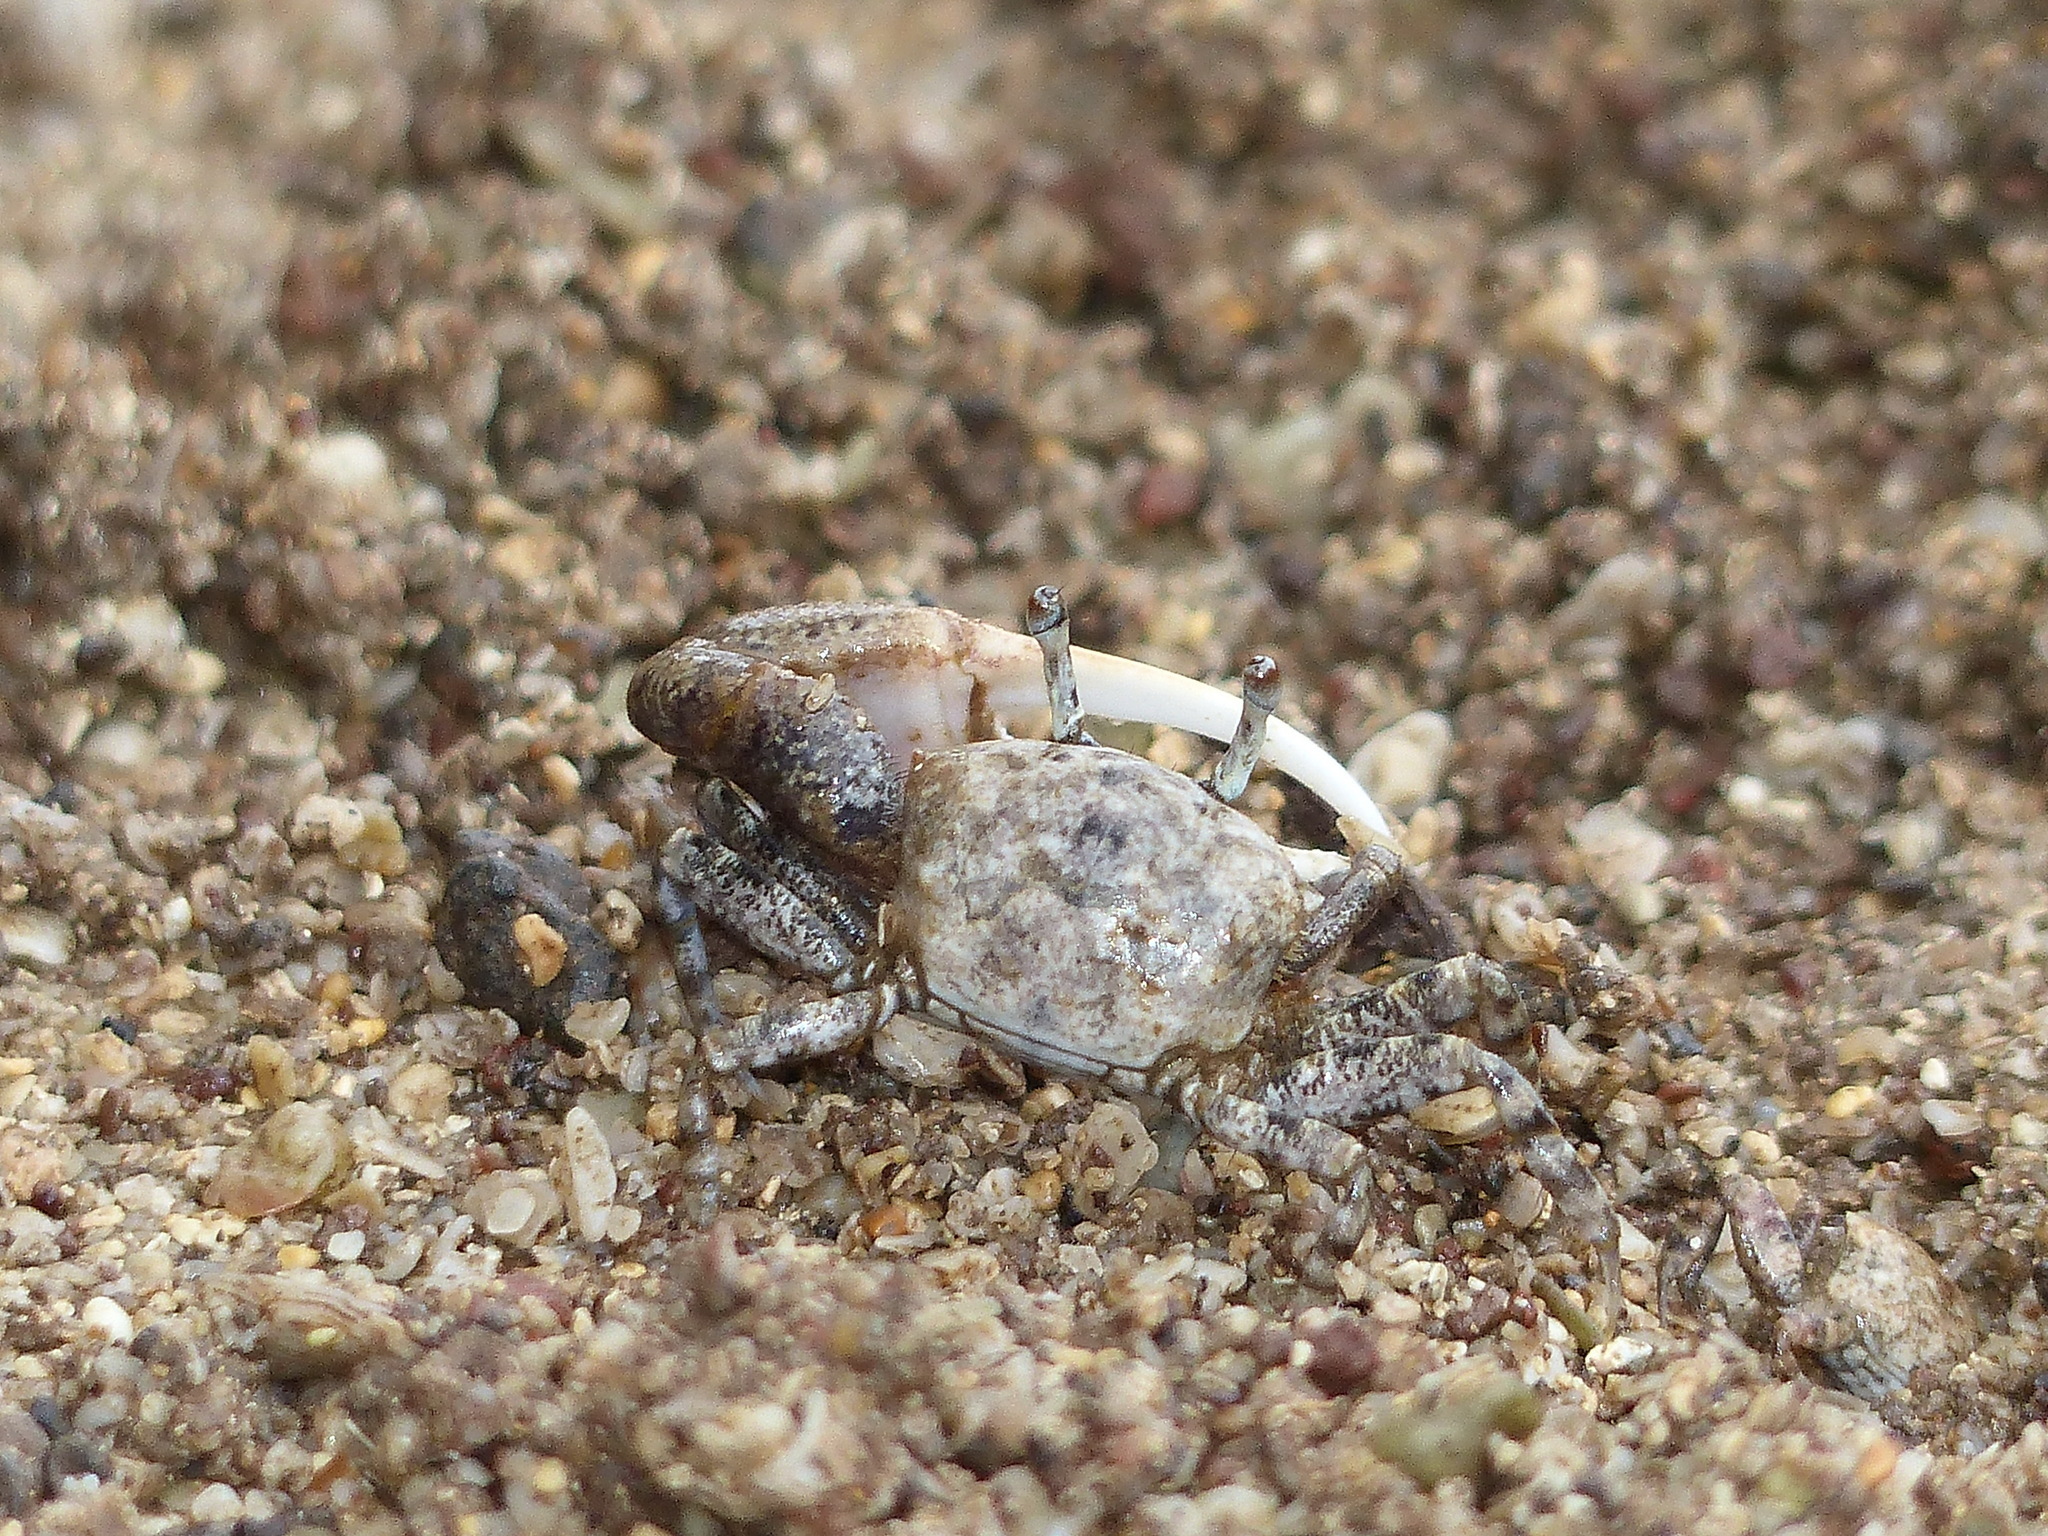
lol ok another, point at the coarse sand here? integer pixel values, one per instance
(1628, 428)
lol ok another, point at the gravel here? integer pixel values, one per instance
(1627, 438)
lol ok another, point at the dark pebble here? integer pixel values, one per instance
(494, 882)
(1346, 1356)
(1167, 494)
(121, 1027)
(974, 453)
(73, 1455)
(1486, 1312)
(1547, 456)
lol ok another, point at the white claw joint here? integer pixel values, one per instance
(928, 679)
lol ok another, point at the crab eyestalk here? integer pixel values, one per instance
(1045, 620)
(1261, 698)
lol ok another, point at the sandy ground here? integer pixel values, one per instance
(1626, 428)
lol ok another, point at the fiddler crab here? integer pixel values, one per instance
(867, 825)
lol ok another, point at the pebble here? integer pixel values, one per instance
(1521, 1200)
(542, 949)
(272, 1071)
(1746, 794)
(560, 775)
(379, 848)
(1397, 1308)
(1912, 840)
(279, 732)
(1867, 1042)
(1402, 766)
(1951, 1121)
(1849, 1101)
(1463, 1116)
(1636, 1245)
(1629, 590)
(352, 468)
(1844, 760)
(1618, 1355)
(176, 918)
(1442, 1428)
(151, 632)
(513, 1205)
(1224, 1511)
(71, 49)
(120, 747)
(375, 1141)
(284, 1164)
(593, 1024)
(194, 674)
(1281, 471)
(1623, 854)
(619, 920)
(28, 305)
(314, 1326)
(106, 1317)
(421, 1092)
(2013, 527)
(1382, 408)
(1046, 252)
(921, 1054)
(34, 937)
(216, 1504)
(325, 820)
(1104, 1157)
(589, 1179)
(1166, 494)
(364, 834)
(504, 897)
(1760, 1147)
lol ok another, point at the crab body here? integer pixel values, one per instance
(1150, 923)
(1079, 908)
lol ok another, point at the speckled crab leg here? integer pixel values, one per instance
(1321, 1150)
(1363, 1079)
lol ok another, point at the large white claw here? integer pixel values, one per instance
(1124, 689)
(928, 678)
